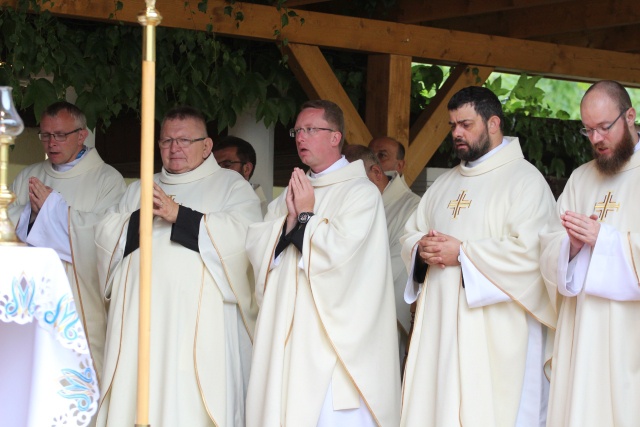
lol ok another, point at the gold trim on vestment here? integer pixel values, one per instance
(224, 268)
(115, 370)
(79, 302)
(195, 344)
(507, 293)
(633, 261)
(364, 399)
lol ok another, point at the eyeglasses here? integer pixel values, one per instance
(309, 131)
(602, 130)
(226, 164)
(182, 142)
(58, 137)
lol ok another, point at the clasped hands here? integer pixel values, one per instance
(300, 197)
(582, 229)
(439, 249)
(163, 205)
(38, 193)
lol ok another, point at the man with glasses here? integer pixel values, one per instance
(325, 352)
(203, 310)
(477, 351)
(59, 200)
(590, 260)
(237, 154)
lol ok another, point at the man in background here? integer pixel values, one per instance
(239, 155)
(390, 153)
(399, 203)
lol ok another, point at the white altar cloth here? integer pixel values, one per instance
(46, 374)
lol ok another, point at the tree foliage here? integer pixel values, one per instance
(45, 56)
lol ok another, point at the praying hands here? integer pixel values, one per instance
(38, 193)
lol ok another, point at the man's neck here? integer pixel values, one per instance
(327, 165)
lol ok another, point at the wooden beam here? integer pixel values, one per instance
(297, 3)
(620, 39)
(572, 16)
(433, 124)
(319, 82)
(415, 11)
(389, 96)
(342, 32)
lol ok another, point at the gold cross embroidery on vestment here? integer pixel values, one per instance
(605, 206)
(459, 203)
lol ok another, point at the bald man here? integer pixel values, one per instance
(390, 153)
(589, 263)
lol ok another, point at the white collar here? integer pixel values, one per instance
(479, 160)
(340, 163)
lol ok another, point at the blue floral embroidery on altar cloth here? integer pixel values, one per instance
(64, 318)
(78, 387)
(23, 293)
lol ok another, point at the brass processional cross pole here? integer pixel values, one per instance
(149, 19)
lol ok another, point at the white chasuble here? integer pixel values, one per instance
(466, 366)
(328, 328)
(89, 188)
(203, 308)
(399, 203)
(595, 379)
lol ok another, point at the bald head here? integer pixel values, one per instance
(390, 153)
(371, 164)
(609, 123)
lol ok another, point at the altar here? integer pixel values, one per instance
(46, 374)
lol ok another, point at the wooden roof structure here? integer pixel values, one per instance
(584, 40)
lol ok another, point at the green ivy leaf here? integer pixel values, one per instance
(40, 93)
(92, 106)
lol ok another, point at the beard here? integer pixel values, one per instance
(620, 155)
(475, 150)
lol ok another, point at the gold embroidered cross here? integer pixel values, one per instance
(459, 203)
(605, 206)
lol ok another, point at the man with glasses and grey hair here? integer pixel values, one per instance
(59, 200)
(590, 259)
(203, 309)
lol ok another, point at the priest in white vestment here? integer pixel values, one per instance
(590, 260)
(57, 204)
(203, 308)
(399, 204)
(477, 352)
(325, 351)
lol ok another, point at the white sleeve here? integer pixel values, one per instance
(51, 227)
(22, 230)
(571, 274)
(413, 288)
(610, 275)
(478, 289)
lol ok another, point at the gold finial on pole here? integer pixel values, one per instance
(149, 19)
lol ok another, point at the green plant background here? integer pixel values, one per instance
(224, 77)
